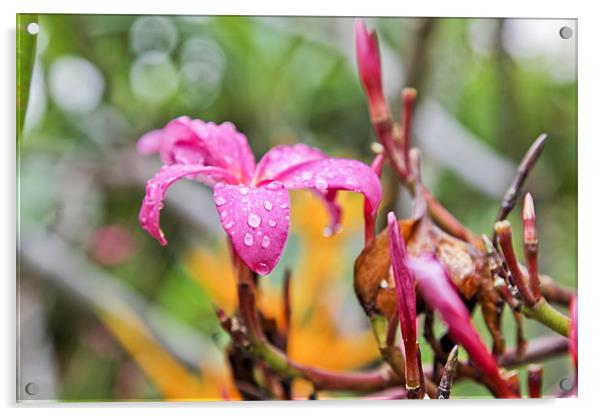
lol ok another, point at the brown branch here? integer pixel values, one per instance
(553, 292)
(280, 363)
(525, 166)
(539, 349)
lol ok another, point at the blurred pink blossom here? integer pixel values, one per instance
(111, 245)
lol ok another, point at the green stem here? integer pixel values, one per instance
(548, 316)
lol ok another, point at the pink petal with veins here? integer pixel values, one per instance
(256, 220)
(187, 141)
(327, 175)
(157, 187)
(226, 147)
(439, 292)
(282, 157)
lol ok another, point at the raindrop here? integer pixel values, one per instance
(254, 220)
(219, 201)
(306, 175)
(229, 225)
(244, 190)
(265, 241)
(274, 186)
(351, 181)
(267, 205)
(272, 223)
(262, 269)
(248, 240)
(321, 184)
(283, 205)
(384, 284)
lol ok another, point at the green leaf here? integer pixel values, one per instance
(26, 47)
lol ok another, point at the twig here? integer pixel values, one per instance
(525, 166)
(534, 380)
(447, 378)
(504, 234)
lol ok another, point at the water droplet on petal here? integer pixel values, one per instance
(229, 225)
(274, 186)
(306, 175)
(262, 268)
(244, 190)
(321, 184)
(267, 205)
(248, 240)
(219, 201)
(384, 284)
(351, 181)
(272, 223)
(265, 241)
(327, 231)
(253, 220)
(283, 205)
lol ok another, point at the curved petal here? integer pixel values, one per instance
(328, 175)
(437, 288)
(187, 141)
(226, 147)
(282, 157)
(256, 220)
(157, 186)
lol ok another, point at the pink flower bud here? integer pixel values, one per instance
(368, 60)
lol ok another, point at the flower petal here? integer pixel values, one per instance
(157, 186)
(150, 142)
(187, 141)
(257, 221)
(327, 175)
(282, 157)
(439, 292)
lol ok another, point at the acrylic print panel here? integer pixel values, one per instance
(440, 159)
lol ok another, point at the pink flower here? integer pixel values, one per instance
(439, 292)
(252, 200)
(368, 60)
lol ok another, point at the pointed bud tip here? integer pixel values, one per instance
(391, 218)
(528, 207)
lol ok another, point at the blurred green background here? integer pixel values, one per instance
(486, 88)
